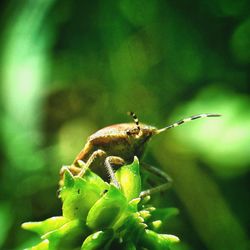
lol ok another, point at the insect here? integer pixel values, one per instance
(111, 147)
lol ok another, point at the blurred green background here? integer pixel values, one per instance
(69, 68)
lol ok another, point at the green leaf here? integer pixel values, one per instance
(44, 245)
(43, 227)
(154, 241)
(107, 210)
(68, 179)
(129, 179)
(80, 197)
(98, 240)
(68, 236)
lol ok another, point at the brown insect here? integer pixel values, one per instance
(111, 147)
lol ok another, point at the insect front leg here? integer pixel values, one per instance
(97, 158)
(72, 168)
(79, 167)
(113, 161)
(156, 171)
(97, 161)
(109, 162)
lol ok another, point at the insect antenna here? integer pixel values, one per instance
(182, 121)
(136, 121)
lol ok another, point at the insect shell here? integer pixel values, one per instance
(124, 140)
(119, 140)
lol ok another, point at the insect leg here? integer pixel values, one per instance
(113, 160)
(96, 155)
(161, 174)
(72, 168)
(100, 155)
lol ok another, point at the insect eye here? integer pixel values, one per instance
(134, 131)
(128, 132)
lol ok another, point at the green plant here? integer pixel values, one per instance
(97, 215)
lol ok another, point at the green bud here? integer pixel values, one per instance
(154, 241)
(107, 210)
(156, 225)
(129, 179)
(44, 245)
(79, 198)
(66, 236)
(43, 227)
(98, 240)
